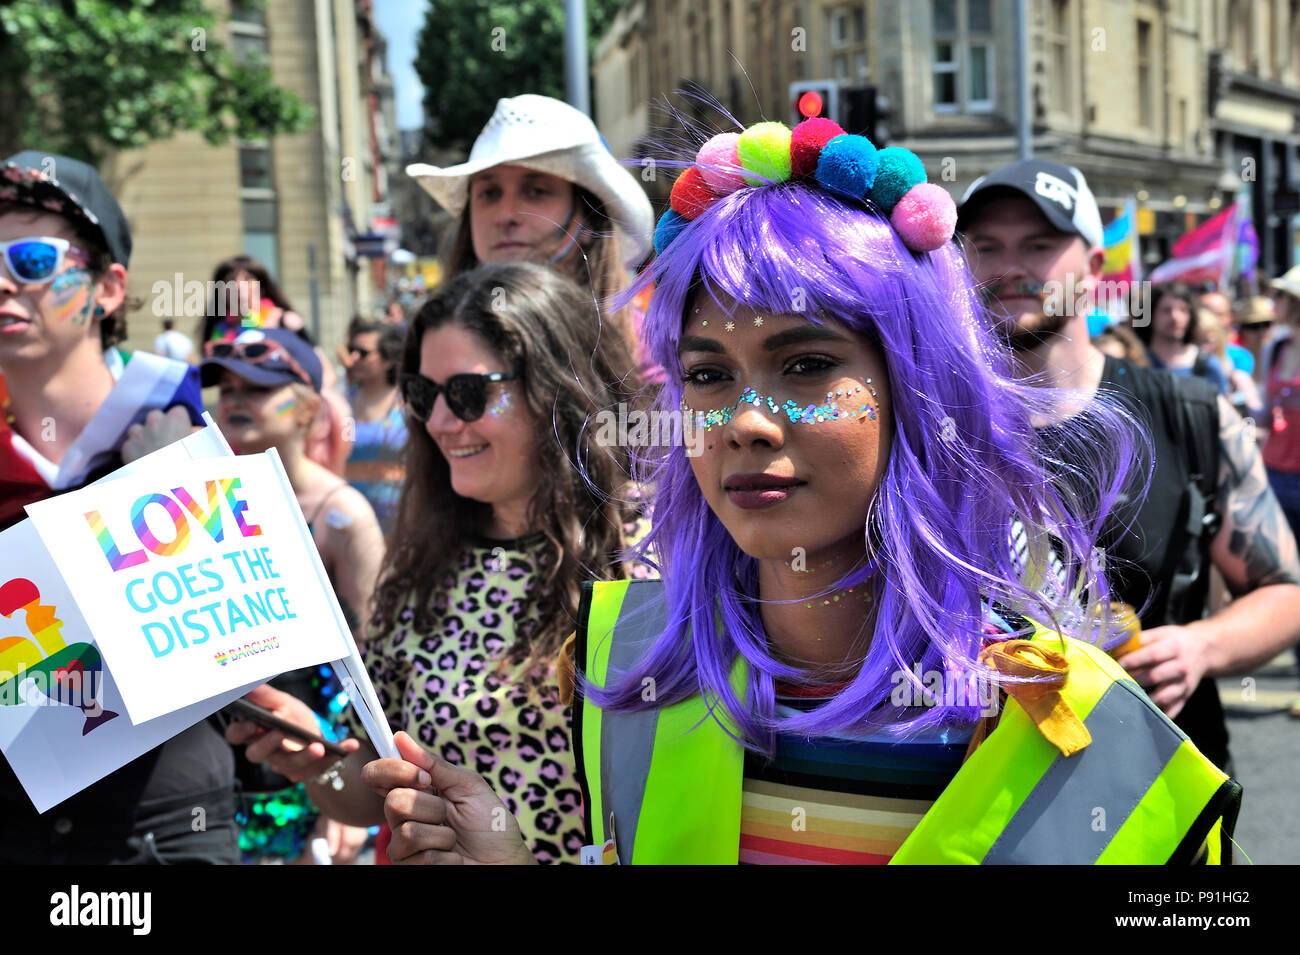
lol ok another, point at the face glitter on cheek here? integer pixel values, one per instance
(503, 403)
(806, 414)
(65, 294)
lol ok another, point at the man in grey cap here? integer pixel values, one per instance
(71, 402)
(1032, 229)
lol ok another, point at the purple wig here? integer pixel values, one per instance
(965, 463)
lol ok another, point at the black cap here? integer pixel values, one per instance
(271, 370)
(70, 188)
(1060, 192)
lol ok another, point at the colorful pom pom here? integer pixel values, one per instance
(925, 217)
(669, 227)
(691, 195)
(719, 164)
(806, 142)
(899, 170)
(848, 166)
(764, 151)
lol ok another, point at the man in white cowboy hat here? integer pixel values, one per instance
(530, 142)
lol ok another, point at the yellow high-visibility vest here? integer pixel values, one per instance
(672, 777)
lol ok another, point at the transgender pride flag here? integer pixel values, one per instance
(1123, 263)
(1206, 253)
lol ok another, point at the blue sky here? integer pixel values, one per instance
(400, 22)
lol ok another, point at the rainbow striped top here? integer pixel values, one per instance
(841, 800)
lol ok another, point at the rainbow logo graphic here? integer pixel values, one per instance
(55, 668)
(220, 657)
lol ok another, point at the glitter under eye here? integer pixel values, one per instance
(830, 410)
(502, 403)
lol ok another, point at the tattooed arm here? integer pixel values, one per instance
(1256, 553)
(1254, 548)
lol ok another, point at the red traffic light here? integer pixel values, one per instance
(810, 104)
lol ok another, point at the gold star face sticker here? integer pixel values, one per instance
(730, 326)
(758, 321)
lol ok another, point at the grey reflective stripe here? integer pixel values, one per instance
(627, 739)
(1058, 823)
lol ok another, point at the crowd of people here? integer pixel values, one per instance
(910, 467)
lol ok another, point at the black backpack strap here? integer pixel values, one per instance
(1197, 422)
(1201, 365)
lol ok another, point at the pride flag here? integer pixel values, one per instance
(1123, 261)
(1206, 253)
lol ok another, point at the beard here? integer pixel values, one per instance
(1027, 331)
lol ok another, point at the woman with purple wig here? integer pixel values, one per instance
(846, 660)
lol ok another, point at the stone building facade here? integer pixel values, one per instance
(1183, 104)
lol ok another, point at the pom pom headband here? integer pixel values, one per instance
(922, 213)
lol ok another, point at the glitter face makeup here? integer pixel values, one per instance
(64, 292)
(284, 408)
(808, 414)
(501, 406)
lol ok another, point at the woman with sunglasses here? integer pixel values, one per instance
(815, 679)
(510, 503)
(72, 398)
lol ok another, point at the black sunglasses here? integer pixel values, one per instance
(466, 394)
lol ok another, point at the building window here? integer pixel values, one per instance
(1239, 30)
(259, 232)
(255, 166)
(251, 13)
(1144, 89)
(848, 26)
(945, 75)
(839, 28)
(963, 55)
(1060, 48)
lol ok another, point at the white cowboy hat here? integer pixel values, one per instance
(542, 133)
(1289, 282)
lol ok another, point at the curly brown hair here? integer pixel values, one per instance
(550, 332)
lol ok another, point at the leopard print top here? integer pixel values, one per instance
(452, 689)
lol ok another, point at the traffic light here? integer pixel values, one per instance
(867, 113)
(814, 98)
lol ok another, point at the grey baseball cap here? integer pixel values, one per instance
(1060, 192)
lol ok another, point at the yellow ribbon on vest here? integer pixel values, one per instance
(1040, 699)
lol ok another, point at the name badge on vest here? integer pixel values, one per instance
(606, 854)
